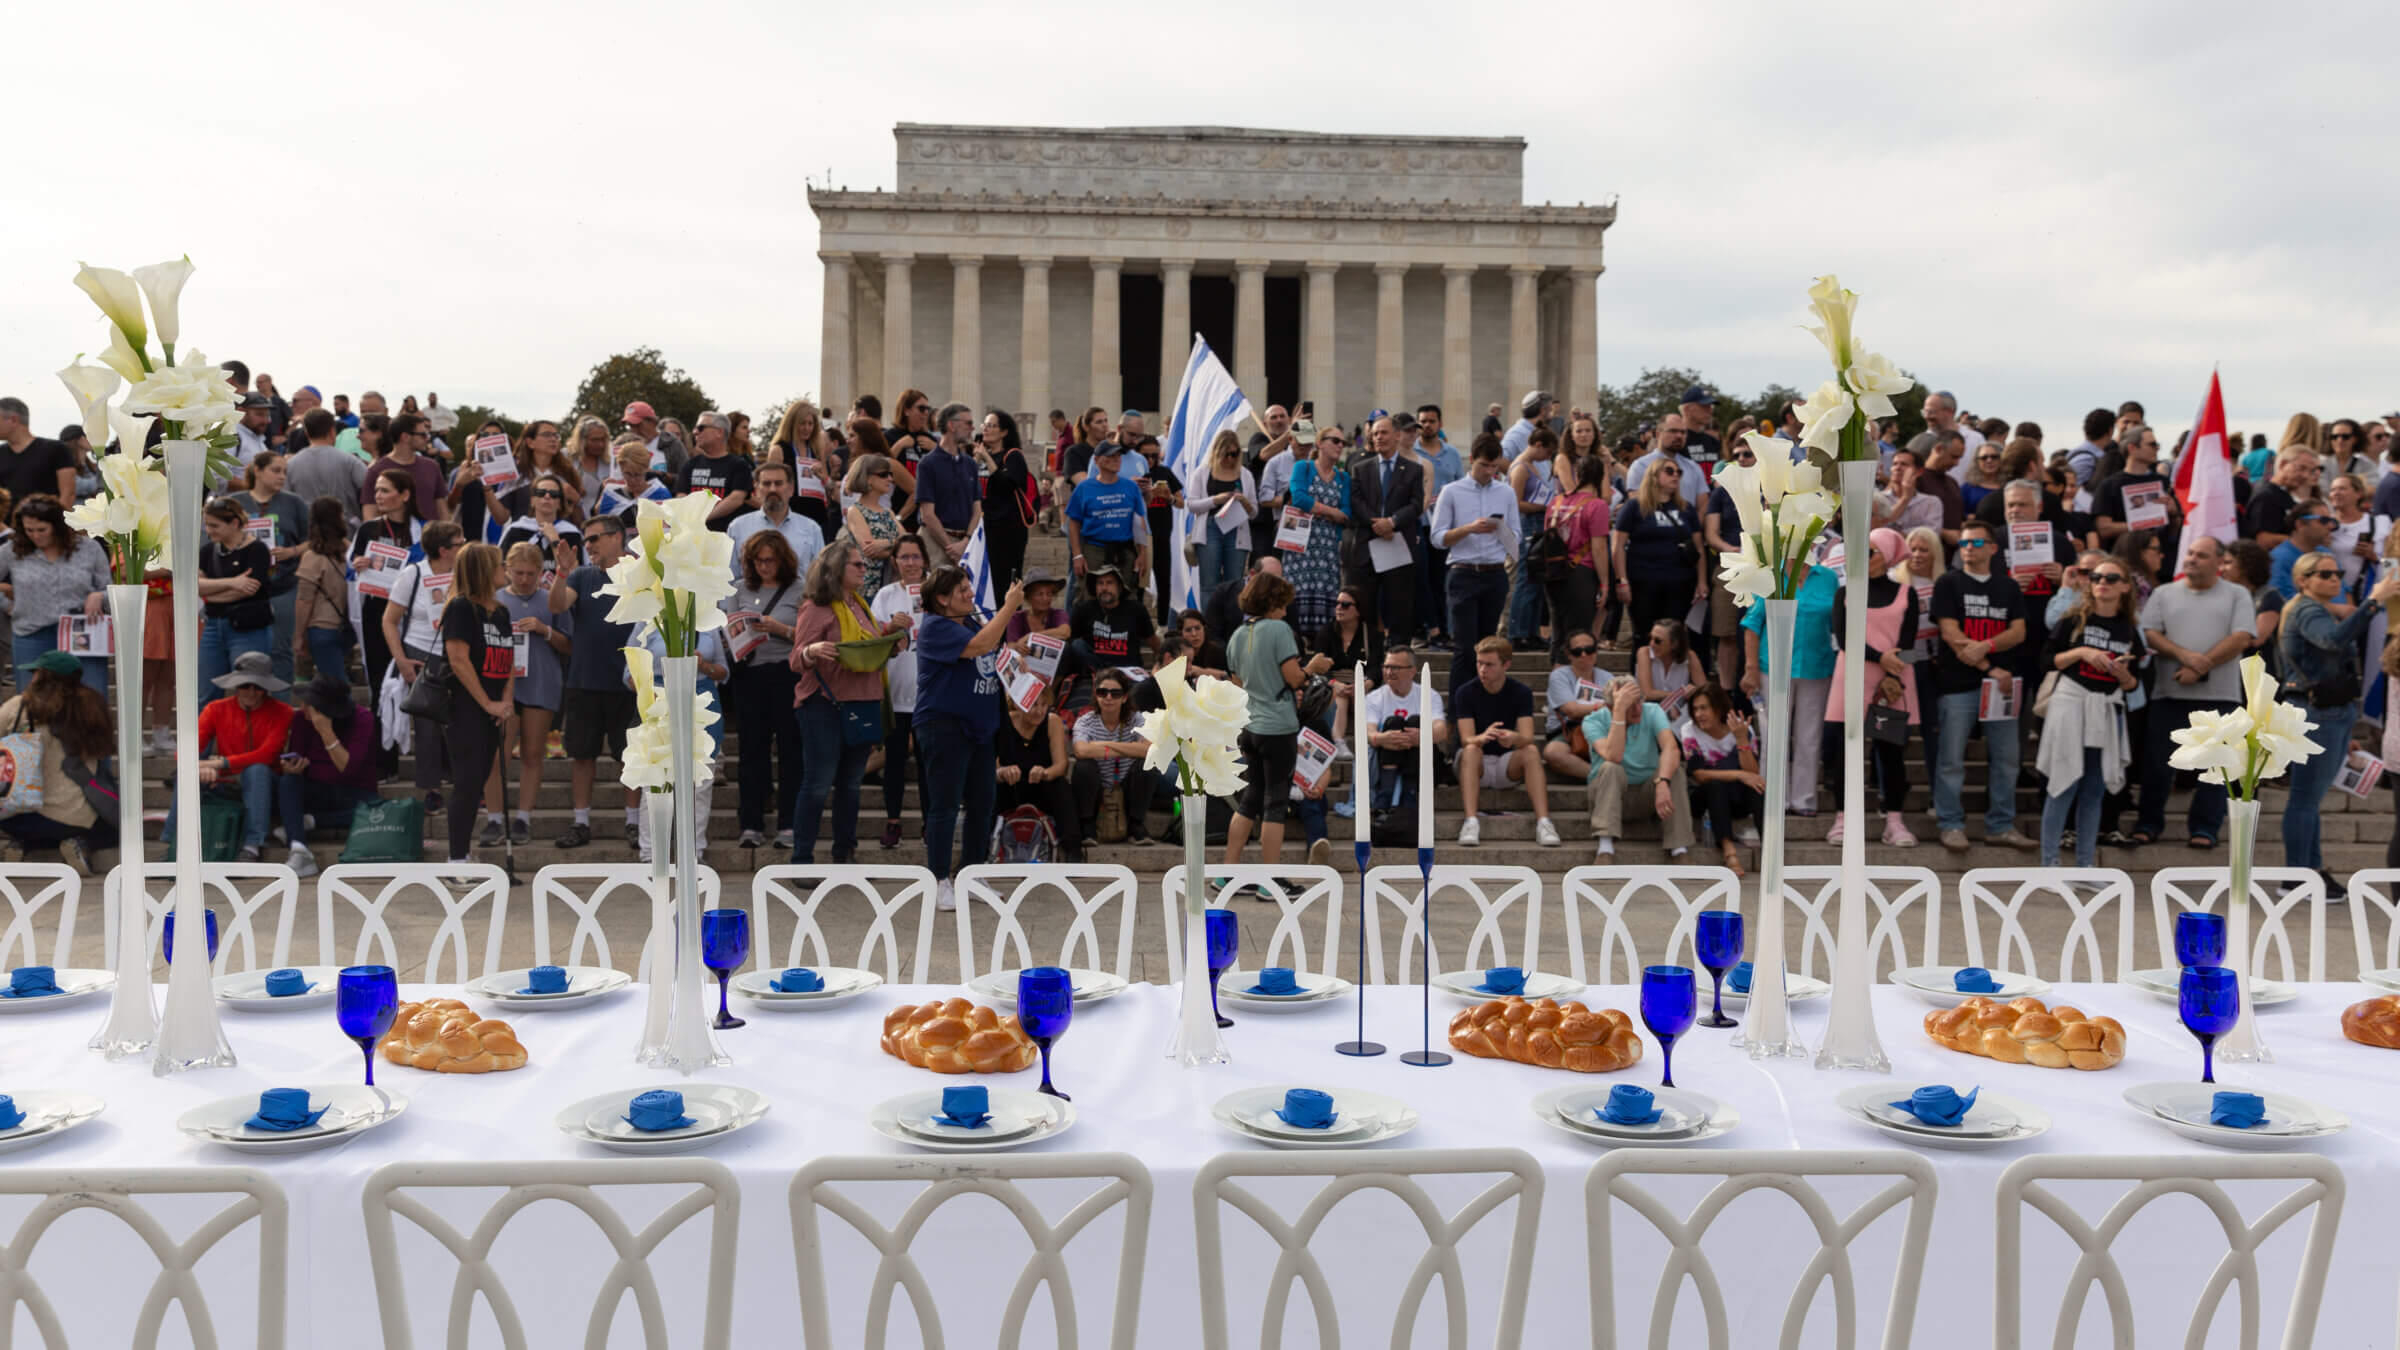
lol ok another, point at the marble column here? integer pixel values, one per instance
(899, 330)
(1524, 338)
(1391, 332)
(835, 383)
(1317, 385)
(1033, 342)
(1250, 330)
(1174, 330)
(966, 332)
(1108, 378)
(1583, 338)
(1458, 349)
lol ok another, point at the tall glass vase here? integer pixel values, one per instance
(1850, 1039)
(1767, 1027)
(658, 952)
(133, 1005)
(691, 1042)
(2242, 1044)
(188, 1034)
(1197, 1040)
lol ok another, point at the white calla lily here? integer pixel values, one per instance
(1834, 308)
(163, 284)
(1748, 488)
(119, 355)
(93, 387)
(1198, 728)
(119, 297)
(1745, 577)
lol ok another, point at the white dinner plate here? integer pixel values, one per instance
(1868, 1103)
(351, 1110)
(1052, 1116)
(47, 1116)
(1377, 1117)
(1680, 1111)
(1539, 984)
(248, 990)
(718, 1110)
(1091, 986)
(2386, 980)
(1722, 1119)
(584, 983)
(74, 986)
(2184, 1107)
(921, 1116)
(842, 984)
(1316, 990)
(2167, 983)
(1935, 985)
(1261, 1119)
(1796, 989)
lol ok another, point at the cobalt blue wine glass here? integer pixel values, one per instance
(1224, 945)
(2211, 1002)
(366, 999)
(724, 946)
(2199, 939)
(1669, 1002)
(167, 935)
(1045, 1005)
(1717, 944)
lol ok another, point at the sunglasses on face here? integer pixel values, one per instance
(2108, 578)
(548, 492)
(1581, 651)
(1974, 543)
(1345, 604)
(2341, 436)
(1109, 693)
(2320, 573)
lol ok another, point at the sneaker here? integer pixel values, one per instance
(577, 836)
(520, 831)
(1955, 841)
(1604, 850)
(302, 862)
(1343, 807)
(1834, 835)
(1342, 753)
(1895, 831)
(2012, 838)
(891, 834)
(1320, 853)
(751, 839)
(633, 834)
(1470, 835)
(250, 853)
(943, 898)
(1745, 834)
(783, 839)
(73, 853)
(493, 833)
(1545, 833)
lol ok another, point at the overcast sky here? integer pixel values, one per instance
(2046, 206)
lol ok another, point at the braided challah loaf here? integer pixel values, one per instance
(1549, 1034)
(446, 1036)
(2375, 1022)
(957, 1037)
(2027, 1031)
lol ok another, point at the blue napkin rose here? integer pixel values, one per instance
(969, 1108)
(1939, 1104)
(1275, 980)
(2238, 1110)
(1975, 980)
(1739, 980)
(1502, 980)
(31, 982)
(286, 983)
(798, 980)
(545, 980)
(10, 1116)
(281, 1109)
(1630, 1105)
(659, 1109)
(1306, 1109)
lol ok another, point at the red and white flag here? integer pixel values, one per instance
(2204, 476)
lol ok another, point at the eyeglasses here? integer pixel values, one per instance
(1974, 543)
(2320, 573)
(859, 563)
(2341, 436)
(1987, 459)
(1581, 651)
(2108, 578)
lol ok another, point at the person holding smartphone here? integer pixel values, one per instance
(1475, 520)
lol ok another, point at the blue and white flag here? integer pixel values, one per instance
(977, 564)
(1208, 403)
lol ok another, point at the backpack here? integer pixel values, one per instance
(1547, 554)
(1024, 835)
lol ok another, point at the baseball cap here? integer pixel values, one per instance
(1699, 393)
(250, 401)
(1304, 432)
(638, 411)
(1533, 401)
(1402, 421)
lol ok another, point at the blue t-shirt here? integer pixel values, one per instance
(1105, 512)
(949, 684)
(1641, 740)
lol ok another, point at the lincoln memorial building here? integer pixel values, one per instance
(1037, 267)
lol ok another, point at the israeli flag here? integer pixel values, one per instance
(1208, 403)
(977, 564)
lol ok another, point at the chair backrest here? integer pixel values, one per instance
(2275, 892)
(1494, 891)
(1096, 892)
(1296, 889)
(459, 889)
(1892, 894)
(578, 1184)
(2318, 1185)
(583, 888)
(119, 1192)
(2104, 914)
(1606, 893)
(821, 1185)
(886, 893)
(239, 891)
(2373, 890)
(29, 888)
(1347, 1173)
(1786, 1171)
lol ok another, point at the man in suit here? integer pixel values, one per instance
(1387, 497)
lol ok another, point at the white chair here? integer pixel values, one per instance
(30, 888)
(459, 889)
(577, 1184)
(1296, 889)
(1608, 891)
(1095, 892)
(2005, 892)
(886, 893)
(819, 1185)
(1347, 1173)
(583, 889)
(119, 1192)
(1893, 893)
(239, 891)
(1494, 891)
(2375, 890)
(2275, 892)
(1789, 1172)
(2318, 1185)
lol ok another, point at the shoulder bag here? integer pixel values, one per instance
(429, 696)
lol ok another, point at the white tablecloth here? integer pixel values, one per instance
(823, 1070)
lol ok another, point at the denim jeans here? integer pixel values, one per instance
(2084, 799)
(220, 643)
(329, 650)
(827, 768)
(1477, 601)
(2302, 827)
(1527, 603)
(28, 647)
(2168, 716)
(256, 787)
(958, 771)
(1221, 559)
(1958, 720)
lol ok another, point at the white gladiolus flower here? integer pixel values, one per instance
(118, 297)
(649, 760)
(1824, 415)
(1833, 307)
(2214, 745)
(163, 284)
(1745, 577)
(2254, 742)
(699, 563)
(193, 393)
(1874, 379)
(1200, 725)
(634, 582)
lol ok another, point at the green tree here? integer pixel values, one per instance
(641, 374)
(1767, 405)
(1651, 396)
(472, 416)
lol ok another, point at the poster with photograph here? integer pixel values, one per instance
(521, 659)
(1023, 688)
(2359, 774)
(498, 462)
(1292, 535)
(2145, 506)
(744, 631)
(2029, 549)
(79, 636)
(1042, 654)
(1314, 761)
(379, 566)
(1993, 704)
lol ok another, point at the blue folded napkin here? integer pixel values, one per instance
(1975, 980)
(1275, 980)
(2238, 1110)
(1630, 1105)
(1739, 980)
(31, 982)
(798, 980)
(969, 1108)
(284, 1109)
(1939, 1105)
(1502, 980)
(10, 1116)
(1306, 1109)
(285, 983)
(659, 1109)
(545, 980)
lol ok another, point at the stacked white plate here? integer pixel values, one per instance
(350, 1110)
(47, 1116)
(1315, 990)
(1992, 1121)
(1018, 1118)
(717, 1111)
(247, 991)
(2386, 980)
(2184, 1108)
(842, 984)
(584, 983)
(1684, 1116)
(1359, 1118)
(1938, 985)
(1091, 986)
(74, 986)
(1538, 985)
(2167, 983)
(1796, 989)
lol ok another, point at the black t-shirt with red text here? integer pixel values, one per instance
(491, 652)
(1983, 611)
(2115, 634)
(1118, 634)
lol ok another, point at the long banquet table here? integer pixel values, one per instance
(824, 1069)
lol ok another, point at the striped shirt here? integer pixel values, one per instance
(1113, 770)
